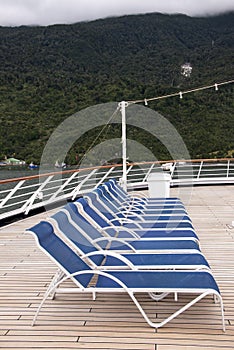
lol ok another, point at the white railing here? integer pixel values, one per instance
(21, 195)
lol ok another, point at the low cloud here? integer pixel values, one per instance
(45, 12)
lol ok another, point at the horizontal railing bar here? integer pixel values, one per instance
(5, 191)
(11, 213)
(13, 204)
(22, 195)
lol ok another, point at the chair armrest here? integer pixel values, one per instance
(129, 213)
(126, 221)
(121, 228)
(112, 254)
(114, 239)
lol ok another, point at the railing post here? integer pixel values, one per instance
(228, 168)
(173, 170)
(77, 189)
(63, 186)
(200, 169)
(15, 189)
(104, 177)
(37, 194)
(148, 172)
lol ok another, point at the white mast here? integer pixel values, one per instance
(123, 106)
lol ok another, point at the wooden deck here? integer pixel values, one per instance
(74, 321)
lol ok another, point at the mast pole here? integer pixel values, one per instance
(123, 106)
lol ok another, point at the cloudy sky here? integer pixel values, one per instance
(45, 12)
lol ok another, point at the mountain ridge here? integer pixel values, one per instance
(50, 72)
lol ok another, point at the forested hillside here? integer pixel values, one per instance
(49, 73)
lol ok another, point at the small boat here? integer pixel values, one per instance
(3, 163)
(60, 165)
(32, 166)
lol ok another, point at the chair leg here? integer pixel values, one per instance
(158, 296)
(51, 290)
(46, 295)
(178, 312)
(57, 277)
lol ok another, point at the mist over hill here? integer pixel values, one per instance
(49, 73)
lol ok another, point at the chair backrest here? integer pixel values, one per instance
(121, 192)
(99, 205)
(74, 234)
(105, 197)
(91, 216)
(111, 194)
(118, 188)
(115, 194)
(98, 219)
(109, 204)
(57, 250)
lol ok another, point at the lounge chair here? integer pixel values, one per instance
(96, 201)
(117, 207)
(125, 199)
(84, 240)
(141, 199)
(137, 207)
(81, 207)
(82, 227)
(135, 212)
(72, 267)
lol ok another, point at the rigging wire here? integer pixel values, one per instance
(181, 93)
(99, 134)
